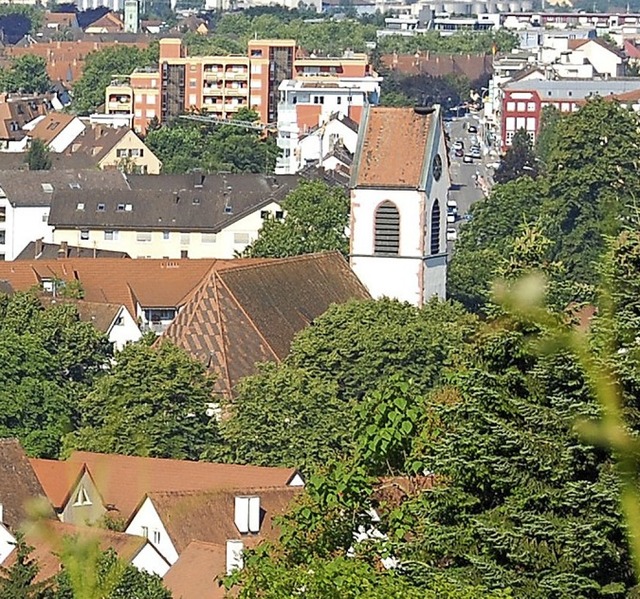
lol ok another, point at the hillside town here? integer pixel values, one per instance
(326, 299)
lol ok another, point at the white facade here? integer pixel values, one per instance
(147, 523)
(123, 330)
(7, 543)
(418, 271)
(21, 226)
(171, 244)
(149, 560)
(66, 137)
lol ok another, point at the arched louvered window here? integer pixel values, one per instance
(387, 232)
(435, 228)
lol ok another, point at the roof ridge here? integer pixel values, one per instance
(274, 261)
(223, 329)
(223, 491)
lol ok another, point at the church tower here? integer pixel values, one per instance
(399, 188)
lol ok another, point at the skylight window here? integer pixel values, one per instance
(47, 187)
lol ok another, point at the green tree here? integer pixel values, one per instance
(316, 217)
(519, 160)
(38, 157)
(485, 239)
(304, 411)
(18, 581)
(50, 359)
(153, 402)
(28, 74)
(546, 139)
(101, 67)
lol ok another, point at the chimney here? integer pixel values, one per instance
(39, 247)
(64, 248)
(234, 555)
(247, 513)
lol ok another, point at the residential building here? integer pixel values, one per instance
(38, 250)
(25, 202)
(15, 112)
(329, 146)
(47, 539)
(195, 216)
(108, 23)
(57, 130)
(307, 102)
(523, 101)
(219, 86)
(400, 184)
(240, 316)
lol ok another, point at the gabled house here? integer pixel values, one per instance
(399, 190)
(47, 541)
(239, 518)
(16, 110)
(118, 484)
(108, 23)
(57, 131)
(196, 216)
(25, 202)
(249, 313)
(19, 485)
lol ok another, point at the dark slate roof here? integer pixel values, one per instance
(158, 202)
(37, 188)
(18, 483)
(52, 251)
(247, 314)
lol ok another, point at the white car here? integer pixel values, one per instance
(452, 234)
(452, 206)
(451, 217)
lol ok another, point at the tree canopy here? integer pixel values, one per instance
(38, 157)
(27, 74)
(315, 220)
(519, 160)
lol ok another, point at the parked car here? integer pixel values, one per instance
(467, 159)
(452, 234)
(458, 145)
(458, 153)
(451, 217)
(472, 129)
(452, 206)
(476, 153)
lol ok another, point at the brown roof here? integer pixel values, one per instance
(18, 110)
(197, 572)
(109, 22)
(394, 147)
(57, 478)
(66, 19)
(151, 283)
(123, 481)
(209, 515)
(247, 314)
(51, 126)
(473, 66)
(18, 483)
(53, 251)
(100, 315)
(96, 142)
(46, 538)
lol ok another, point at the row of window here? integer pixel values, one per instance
(156, 535)
(387, 230)
(521, 106)
(147, 236)
(130, 153)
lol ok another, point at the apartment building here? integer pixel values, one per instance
(221, 85)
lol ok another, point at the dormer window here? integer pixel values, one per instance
(101, 208)
(47, 187)
(120, 208)
(80, 206)
(82, 497)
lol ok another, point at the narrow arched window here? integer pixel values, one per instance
(387, 230)
(435, 228)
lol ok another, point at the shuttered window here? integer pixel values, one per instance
(387, 230)
(435, 228)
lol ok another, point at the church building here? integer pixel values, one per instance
(399, 187)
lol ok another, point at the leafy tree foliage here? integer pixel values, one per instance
(316, 219)
(101, 67)
(17, 582)
(304, 411)
(184, 146)
(486, 238)
(152, 402)
(547, 134)
(38, 157)
(50, 359)
(27, 74)
(458, 43)
(402, 90)
(519, 160)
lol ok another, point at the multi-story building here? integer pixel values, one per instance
(221, 85)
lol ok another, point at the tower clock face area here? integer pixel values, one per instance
(437, 167)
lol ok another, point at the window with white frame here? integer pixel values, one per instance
(143, 236)
(208, 237)
(111, 235)
(241, 238)
(185, 238)
(511, 106)
(82, 497)
(84, 235)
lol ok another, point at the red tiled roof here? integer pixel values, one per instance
(123, 481)
(394, 148)
(51, 126)
(196, 574)
(57, 478)
(247, 314)
(46, 538)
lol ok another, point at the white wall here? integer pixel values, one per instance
(224, 246)
(22, 226)
(149, 560)
(124, 332)
(7, 543)
(148, 516)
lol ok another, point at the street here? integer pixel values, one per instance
(464, 189)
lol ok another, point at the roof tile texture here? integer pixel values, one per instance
(57, 478)
(394, 146)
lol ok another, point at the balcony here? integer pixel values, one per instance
(119, 107)
(236, 75)
(236, 91)
(212, 90)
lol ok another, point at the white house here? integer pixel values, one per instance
(25, 202)
(57, 130)
(399, 189)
